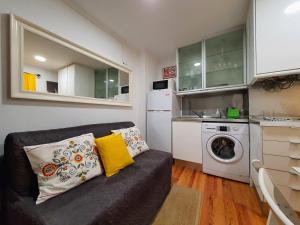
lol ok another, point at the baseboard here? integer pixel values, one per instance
(192, 165)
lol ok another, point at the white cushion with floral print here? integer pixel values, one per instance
(133, 139)
(63, 165)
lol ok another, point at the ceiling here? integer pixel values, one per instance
(57, 55)
(161, 26)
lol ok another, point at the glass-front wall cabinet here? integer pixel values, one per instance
(110, 83)
(113, 82)
(190, 67)
(223, 59)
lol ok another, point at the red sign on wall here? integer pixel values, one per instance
(169, 72)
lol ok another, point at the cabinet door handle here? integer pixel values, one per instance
(295, 171)
(294, 127)
(294, 188)
(294, 157)
(296, 142)
(292, 172)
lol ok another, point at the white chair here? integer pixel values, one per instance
(273, 196)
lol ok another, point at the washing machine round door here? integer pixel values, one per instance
(224, 148)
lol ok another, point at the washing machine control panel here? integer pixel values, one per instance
(223, 128)
(235, 128)
(227, 128)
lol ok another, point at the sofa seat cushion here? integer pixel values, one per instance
(132, 197)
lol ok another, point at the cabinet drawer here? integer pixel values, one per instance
(281, 134)
(291, 196)
(280, 162)
(285, 179)
(282, 148)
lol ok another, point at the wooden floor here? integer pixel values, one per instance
(224, 202)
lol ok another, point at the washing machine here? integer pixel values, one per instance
(225, 149)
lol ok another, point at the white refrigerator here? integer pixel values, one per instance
(162, 105)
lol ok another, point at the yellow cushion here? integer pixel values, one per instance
(114, 154)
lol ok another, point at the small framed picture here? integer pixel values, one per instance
(169, 72)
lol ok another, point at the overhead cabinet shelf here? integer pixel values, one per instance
(215, 63)
(233, 77)
(231, 52)
(225, 69)
(226, 61)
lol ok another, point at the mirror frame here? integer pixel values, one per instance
(17, 27)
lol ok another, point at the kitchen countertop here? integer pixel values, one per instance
(198, 119)
(291, 122)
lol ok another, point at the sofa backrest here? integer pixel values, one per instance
(18, 172)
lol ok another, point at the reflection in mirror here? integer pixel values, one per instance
(49, 67)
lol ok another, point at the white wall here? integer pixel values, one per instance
(46, 75)
(55, 16)
(210, 103)
(168, 61)
(151, 67)
(124, 79)
(281, 103)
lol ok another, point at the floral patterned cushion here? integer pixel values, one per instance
(63, 165)
(133, 139)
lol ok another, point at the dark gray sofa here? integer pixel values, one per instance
(132, 197)
(2, 180)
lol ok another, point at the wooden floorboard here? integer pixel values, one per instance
(224, 202)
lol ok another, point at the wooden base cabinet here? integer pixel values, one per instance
(186, 141)
(278, 149)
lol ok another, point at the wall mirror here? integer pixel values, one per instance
(47, 67)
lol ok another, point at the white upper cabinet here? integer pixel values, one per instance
(71, 78)
(273, 30)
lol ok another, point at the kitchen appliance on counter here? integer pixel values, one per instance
(226, 150)
(125, 89)
(232, 113)
(162, 106)
(164, 84)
